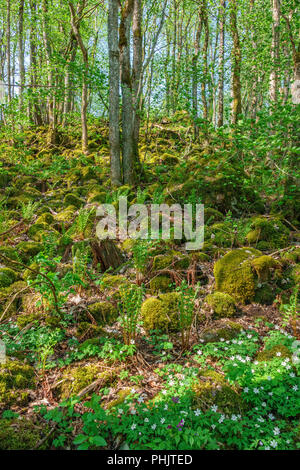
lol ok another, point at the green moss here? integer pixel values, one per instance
(160, 284)
(270, 230)
(161, 313)
(211, 216)
(7, 277)
(213, 389)
(71, 200)
(175, 260)
(229, 331)
(112, 281)
(28, 250)
(234, 275)
(122, 395)
(9, 298)
(76, 378)
(223, 305)
(103, 312)
(279, 351)
(88, 330)
(15, 380)
(9, 252)
(264, 265)
(25, 318)
(291, 255)
(45, 218)
(22, 434)
(66, 215)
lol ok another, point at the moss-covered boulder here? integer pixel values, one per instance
(71, 199)
(10, 298)
(234, 275)
(66, 215)
(212, 216)
(160, 284)
(270, 230)
(222, 304)
(76, 378)
(280, 351)
(174, 260)
(264, 266)
(212, 389)
(7, 277)
(103, 312)
(23, 434)
(227, 332)
(15, 380)
(28, 250)
(161, 313)
(45, 218)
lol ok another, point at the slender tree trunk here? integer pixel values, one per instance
(205, 62)
(75, 23)
(114, 84)
(195, 75)
(137, 72)
(275, 51)
(221, 65)
(21, 52)
(236, 65)
(126, 85)
(8, 14)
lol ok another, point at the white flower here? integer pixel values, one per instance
(199, 352)
(271, 416)
(278, 354)
(255, 390)
(132, 341)
(276, 431)
(295, 388)
(233, 418)
(214, 408)
(133, 412)
(153, 426)
(264, 403)
(133, 426)
(146, 420)
(246, 389)
(120, 411)
(166, 407)
(197, 412)
(140, 399)
(162, 420)
(213, 426)
(222, 417)
(273, 444)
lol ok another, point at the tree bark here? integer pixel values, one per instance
(275, 51)
(236, 65)
(220, 118)
(21, 51)
(114, 84)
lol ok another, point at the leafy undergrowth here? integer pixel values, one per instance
(169, 349)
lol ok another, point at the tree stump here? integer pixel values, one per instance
(107, 254)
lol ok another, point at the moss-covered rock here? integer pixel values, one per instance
(227, 331)
(270, 230)
(213, 389)
(10, 298)
(280, 351)
(7, 277)
(174, 260)
(22, 434)
(88, 330)
(71, 200)
(27, 250)
(25, 319)
(66, 215)
(264, 265)
(103, 312)
(234, 274)
(222, 305)
(160, 284)
(15, 380)
(45, 218)
(161, 313)
(211, 216)
(76, 378)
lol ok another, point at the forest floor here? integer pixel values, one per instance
(209, 358)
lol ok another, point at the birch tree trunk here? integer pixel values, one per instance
(137, 72)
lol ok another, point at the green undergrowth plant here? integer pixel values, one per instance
(130, 307)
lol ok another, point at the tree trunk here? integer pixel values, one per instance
(75, 23)
(21, 52)
(137, 73)
(275, 51)
(195, 75)
(126, 85)
(205, 52)
(236, 65)
(221, 65)
(114, 84)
